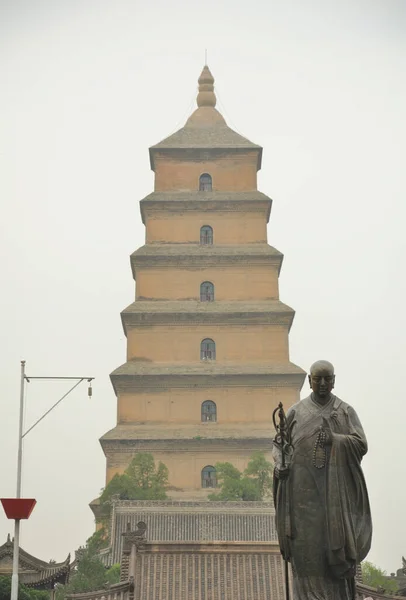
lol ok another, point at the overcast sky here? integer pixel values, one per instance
(86, 87)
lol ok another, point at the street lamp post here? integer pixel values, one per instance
(21, 435)
(14, 578)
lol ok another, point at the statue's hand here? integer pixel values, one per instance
(328, 432)
(282, 473)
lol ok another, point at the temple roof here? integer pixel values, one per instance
(173, 521)
(33, 572)
(206, 127)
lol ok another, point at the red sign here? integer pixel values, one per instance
(18, 508)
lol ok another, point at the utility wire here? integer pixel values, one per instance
(225, 111)
(187, 113)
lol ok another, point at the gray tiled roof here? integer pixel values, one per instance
(210, 573)
(176, 431)
(33, 571)
(210, 250)
(193, 306)
(188, 196)
(148, 312)
(193, 522)
(215, 136)
(138, 368)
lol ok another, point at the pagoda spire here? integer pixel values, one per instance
(206, 95)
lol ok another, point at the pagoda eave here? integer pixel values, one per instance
(205, 445)
(192, 312)
(192, 201)
(134, 376)
(197, 256)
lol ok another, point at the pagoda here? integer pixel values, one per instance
(207, 336)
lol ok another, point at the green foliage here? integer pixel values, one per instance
(98, 540)
(254, 484)
(377, 578)
(113, 574)
(90, 575)
(24, 593)
(149, 480)
(261, 471)
(142, 480)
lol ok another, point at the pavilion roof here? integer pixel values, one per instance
(33, 571)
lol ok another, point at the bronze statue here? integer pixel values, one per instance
(323, 516)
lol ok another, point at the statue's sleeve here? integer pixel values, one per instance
(348, 510)
(351, 435)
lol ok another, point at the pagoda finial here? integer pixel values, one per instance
(206, 95)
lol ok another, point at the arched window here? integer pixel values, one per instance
(209, 479)
(206, 235)
(205, 183)
(208, 350)
(206, 291)
(209, 411)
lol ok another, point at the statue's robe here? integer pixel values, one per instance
(323, 516)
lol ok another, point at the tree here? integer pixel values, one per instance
(142, 480)
(253, 484)
(24, 593)
(113, 574)
(98, 540)
(90, 575)
(377, 578)
(261, 471)
(148, 479)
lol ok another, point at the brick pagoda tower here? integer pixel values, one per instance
(207, 336)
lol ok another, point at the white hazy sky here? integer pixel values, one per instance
(86, 87)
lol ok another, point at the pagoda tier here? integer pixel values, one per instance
(207, 336)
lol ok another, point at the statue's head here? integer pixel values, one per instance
(322, 379)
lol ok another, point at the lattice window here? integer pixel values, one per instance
(208, 349)
(209, 479)
(205, 183)
(206, 235)
(209, 411)
(206, 291)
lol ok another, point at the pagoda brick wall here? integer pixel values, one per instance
(237, 173)
(238, 227)
(233, 282)
(177, 343)
(180, 406)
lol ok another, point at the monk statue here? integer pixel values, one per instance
(323, 516)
